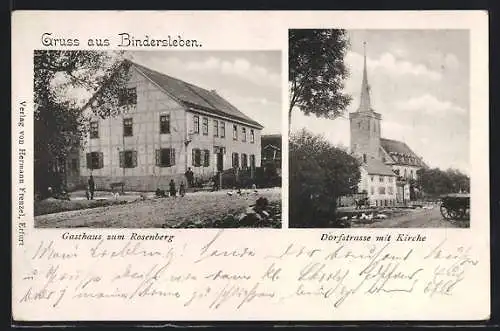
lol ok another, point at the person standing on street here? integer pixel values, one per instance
(91, 187)
(189, 177)
(173, 191)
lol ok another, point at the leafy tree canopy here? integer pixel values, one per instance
(319, 173)
(317, 72)
(63, 81)
(436, 182)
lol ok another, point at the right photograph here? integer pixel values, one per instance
(379, 128)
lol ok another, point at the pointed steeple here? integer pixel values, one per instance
(365, 104)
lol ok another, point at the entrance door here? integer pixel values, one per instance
(220, 162)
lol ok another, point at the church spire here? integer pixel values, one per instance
(365, 104)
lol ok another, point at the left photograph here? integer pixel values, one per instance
(177, 139)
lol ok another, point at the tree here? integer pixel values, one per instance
(317, 72)
(319, 174)
(435, 182)
(62, 81)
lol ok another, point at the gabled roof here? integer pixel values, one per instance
(271, 147)
(395, 146)
(400, 152)
(271, 140)
(376, 167)
(195, 97)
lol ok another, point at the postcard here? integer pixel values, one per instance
(257, 165)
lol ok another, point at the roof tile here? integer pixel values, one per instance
(194, 96)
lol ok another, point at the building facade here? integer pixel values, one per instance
(388, 167)
(271, 151)
(169, 127)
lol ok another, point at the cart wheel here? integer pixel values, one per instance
(448, 213)
(444, 212)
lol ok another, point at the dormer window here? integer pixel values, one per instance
(94, 129)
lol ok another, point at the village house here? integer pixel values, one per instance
(171, 125)
(271, 151)
(388, 167)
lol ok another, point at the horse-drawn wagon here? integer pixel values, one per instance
(455, 206)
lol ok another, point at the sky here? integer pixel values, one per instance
(419, 82)
(250, 80)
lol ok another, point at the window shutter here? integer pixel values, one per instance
(122, 159)
(89, 161)
(134, 159)
(101, 160)
(206, 158)
(172, 156)
(194, 157)
(158, 157)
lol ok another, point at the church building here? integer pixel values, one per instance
(388, 167)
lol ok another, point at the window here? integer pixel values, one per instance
(196, 124)
(381, 178)
(252, 136)
(164, 124)
(216, 128)
(252, 161)
(390, 190)
(381, 190)
(196, 157)
(95, 160)
(372, 190)
(390, 179)
(236, 160)
(127, 97)
(235, 132)
(222, 129)
(205, 126)
(372, 177)
(244, 134)
(73, 165)
(244, 161)
(128, 159)
(165, 157)
(206, 158)
(127, 127)
(94, 129)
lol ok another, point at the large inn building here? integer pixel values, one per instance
(388, 167)
(171, 125)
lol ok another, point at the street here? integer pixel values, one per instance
(416, 218)
(156, 213)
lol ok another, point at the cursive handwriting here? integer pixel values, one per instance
(220, 273)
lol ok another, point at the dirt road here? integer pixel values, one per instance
(418, 218)
(157, 212)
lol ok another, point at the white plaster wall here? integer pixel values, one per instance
(151, 103)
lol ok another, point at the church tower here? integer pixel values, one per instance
(365, 124)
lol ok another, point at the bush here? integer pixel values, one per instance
(319, 174)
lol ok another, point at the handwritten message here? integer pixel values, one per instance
(216, 275)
